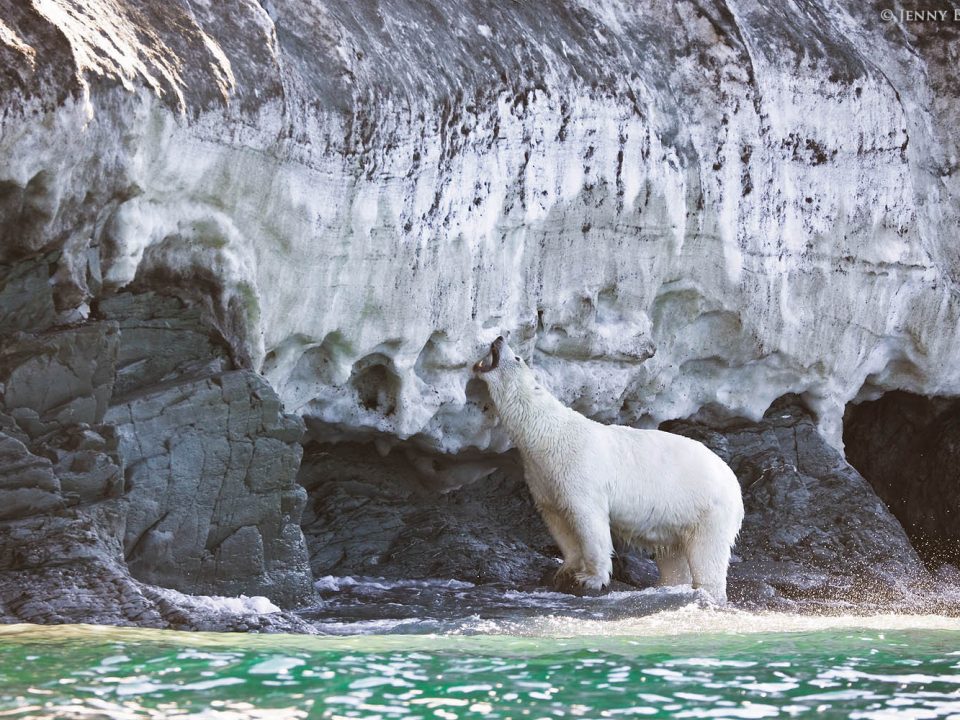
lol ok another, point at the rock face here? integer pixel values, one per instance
(668, 205)
(211, 461)
(134, 458)
(213, 506)
(908, 447)
(369, 516)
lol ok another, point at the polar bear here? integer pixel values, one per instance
(655, 490)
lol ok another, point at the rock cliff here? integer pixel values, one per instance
(134, 458)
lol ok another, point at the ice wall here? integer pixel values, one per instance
(668, 205)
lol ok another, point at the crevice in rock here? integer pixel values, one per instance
(370, 514)
(908, 447)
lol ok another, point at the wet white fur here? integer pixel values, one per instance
(652, 489)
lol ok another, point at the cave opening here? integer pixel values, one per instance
(908, 448)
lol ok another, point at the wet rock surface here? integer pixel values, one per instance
(353, 605)
(69, 568)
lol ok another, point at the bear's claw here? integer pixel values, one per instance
(591, 582)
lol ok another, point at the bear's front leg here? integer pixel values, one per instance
(592, 530)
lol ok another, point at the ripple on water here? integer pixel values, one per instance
(691, 663)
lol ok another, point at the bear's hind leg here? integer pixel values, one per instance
(708, 560)
(673, 566)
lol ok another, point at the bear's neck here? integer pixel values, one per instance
(536, 421)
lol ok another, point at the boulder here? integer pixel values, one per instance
(163, 340)
(211, 480)
(58, 377)
(69, 568)
(814, 528)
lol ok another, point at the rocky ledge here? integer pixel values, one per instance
(816, 536)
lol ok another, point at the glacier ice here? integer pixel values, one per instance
(667, 208)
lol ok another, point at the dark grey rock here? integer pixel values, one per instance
(189, 480)
(369, 515)
(211, 478)
(65, 467)
(89, 476)
(162, 340)
(634, 568)
(59, 377)
(814, 528)
(908, 448)
(69, 568)
(26, 296)
(28, 484)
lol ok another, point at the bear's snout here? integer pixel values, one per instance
(482, 365)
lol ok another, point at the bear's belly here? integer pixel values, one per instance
(645, 532)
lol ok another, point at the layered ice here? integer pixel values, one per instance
(667, 208)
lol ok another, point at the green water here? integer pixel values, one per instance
(711, 667)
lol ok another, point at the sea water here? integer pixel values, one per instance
(692, 662)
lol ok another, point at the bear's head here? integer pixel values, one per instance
(502, 367)
(514, 389)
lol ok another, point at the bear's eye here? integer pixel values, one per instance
(517, 358)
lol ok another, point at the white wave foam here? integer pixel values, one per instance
(242, 605)
(695, 619)
(334, 583)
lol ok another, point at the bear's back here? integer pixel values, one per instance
(657, 468)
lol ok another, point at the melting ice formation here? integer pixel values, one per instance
(667, 206)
